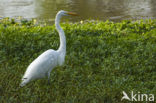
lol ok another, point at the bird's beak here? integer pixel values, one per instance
(71, 13)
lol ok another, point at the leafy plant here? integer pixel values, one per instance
(103, 59)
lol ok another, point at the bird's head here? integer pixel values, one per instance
(66, 13)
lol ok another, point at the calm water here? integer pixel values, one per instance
(87, 9)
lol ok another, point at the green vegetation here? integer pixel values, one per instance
(103, 59)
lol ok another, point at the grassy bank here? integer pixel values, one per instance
(103, 59)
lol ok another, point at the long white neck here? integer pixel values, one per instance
(62, 48)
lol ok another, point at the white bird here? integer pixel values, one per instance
(43, 65)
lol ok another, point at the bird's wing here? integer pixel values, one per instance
(41, 65)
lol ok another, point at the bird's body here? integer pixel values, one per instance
(43, 65)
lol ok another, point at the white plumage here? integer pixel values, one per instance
(43, 65)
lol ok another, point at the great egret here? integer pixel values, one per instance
(42, 65)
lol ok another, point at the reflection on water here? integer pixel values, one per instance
(11, 8)
(87, 9)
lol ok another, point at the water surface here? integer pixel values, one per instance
(87, 9)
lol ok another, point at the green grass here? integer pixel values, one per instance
(103, 59)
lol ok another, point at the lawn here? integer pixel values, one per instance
(103, 59)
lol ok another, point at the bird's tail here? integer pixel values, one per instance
(24, 82)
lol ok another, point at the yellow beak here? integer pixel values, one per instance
(71, 13)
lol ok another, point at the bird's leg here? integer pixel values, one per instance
(48, 77)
